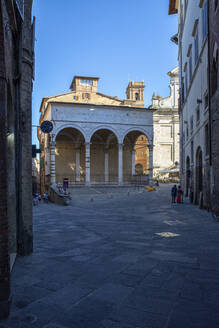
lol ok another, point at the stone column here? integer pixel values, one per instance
(106, 166)
(52, 163)
(133, 161)
(120, 164)
(77, 164)
(150, 147)
(87, 163)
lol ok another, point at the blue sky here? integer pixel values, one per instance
(116, 40)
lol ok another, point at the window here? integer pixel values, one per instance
(205, 20)
(196, 47)
(192, 152)
(86, 96)
(206, 140)
(215, 4)
(182, 92)
(214, 75)
(74, 97)
(137, 96)
(186, 83)
(187, 131)
(197, 115)
(86, 82)
(190, 67)
(206, 100)
(191, 124)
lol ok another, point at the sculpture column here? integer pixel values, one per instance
(106, 167)
(133, 161)
(120, 164)
(87, 163)
(77, 164)
(150, 147)
(52, 163)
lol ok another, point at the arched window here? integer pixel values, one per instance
(137, 96)
(214, 79)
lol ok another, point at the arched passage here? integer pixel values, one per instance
(70, 156)
(188, 175)
(135, 155)
(199, 173)
(103, 157)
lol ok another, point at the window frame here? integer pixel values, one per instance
(196, 47)
(204, 21)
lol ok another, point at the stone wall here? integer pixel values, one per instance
(16, 73)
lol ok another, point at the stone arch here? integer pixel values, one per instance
(135, 154)
(139, 129)
(103, 156)
(69, 155)
(104, 127)
(67, 125)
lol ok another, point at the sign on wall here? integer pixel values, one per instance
(46, 127)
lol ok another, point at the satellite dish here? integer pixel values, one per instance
(46, 127)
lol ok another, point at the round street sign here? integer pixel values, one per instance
(46, 127)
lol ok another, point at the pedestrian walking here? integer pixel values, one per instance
(35, 199)
(173, 193)
(45, 197)
(179, 195)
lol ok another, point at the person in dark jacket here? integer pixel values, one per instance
(173, 193)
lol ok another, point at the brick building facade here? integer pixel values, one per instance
(16, 75)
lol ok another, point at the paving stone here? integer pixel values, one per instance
(55, 325)
(139, 301)
(138, 318)
(101, 265)
(113, 293)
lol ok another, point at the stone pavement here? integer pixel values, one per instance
(119, 261)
